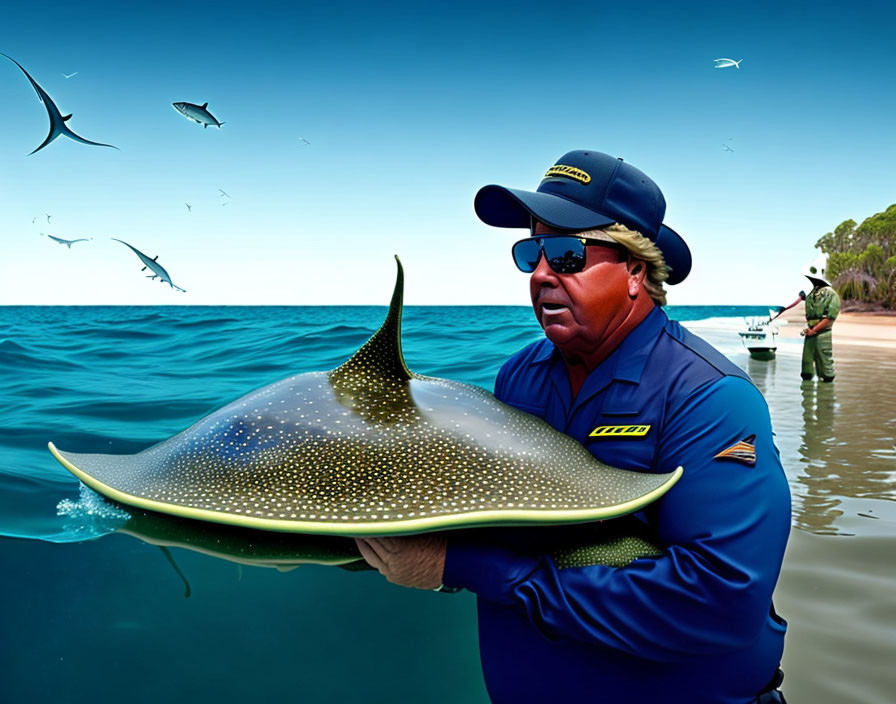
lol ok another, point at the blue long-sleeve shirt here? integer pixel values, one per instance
(695, 624)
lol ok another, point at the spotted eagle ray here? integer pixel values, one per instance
(197, 113)
(57, 120)
(158, 271)
(370, 448)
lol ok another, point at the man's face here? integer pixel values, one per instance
(578, 311)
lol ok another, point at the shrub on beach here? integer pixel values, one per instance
(861, 262)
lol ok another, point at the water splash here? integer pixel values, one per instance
(90, 516)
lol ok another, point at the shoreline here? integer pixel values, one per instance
(870, 329)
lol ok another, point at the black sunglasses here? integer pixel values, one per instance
(565, 254)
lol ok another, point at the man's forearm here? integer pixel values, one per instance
(821, 326)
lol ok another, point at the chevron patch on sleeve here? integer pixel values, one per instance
(743, 452)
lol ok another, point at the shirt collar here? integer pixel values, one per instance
(635, 349)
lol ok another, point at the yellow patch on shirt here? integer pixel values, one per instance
(743, 452)
(619, 431)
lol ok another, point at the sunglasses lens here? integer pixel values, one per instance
(526, 254)
(566, 255)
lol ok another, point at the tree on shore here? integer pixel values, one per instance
(861, 262)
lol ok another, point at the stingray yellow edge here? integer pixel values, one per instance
(416, 525)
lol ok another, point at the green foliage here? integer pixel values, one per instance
(862, 259)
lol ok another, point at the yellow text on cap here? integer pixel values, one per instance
(569, 172)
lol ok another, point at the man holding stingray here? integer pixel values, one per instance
(695, 624)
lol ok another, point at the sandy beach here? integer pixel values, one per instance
(870, 329)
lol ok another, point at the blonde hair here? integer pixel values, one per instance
(642, 249)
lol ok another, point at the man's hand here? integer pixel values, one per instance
(412, 561)
(809, 332)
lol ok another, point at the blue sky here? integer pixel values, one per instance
(409, 110)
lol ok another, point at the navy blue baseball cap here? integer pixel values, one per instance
(585, 190)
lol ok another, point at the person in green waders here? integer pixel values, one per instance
(822, 309)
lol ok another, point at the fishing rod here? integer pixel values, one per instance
(801, 298)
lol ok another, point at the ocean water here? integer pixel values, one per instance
(91, 615)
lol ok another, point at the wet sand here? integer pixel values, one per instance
(837, 596)
(869, 329)
(838, 447)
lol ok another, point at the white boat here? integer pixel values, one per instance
(760, 337)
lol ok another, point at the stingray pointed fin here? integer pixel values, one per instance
(78, 138)
(50, 137)
(381, 355)
(34, 84)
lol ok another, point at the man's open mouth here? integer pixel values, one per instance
(552, 307)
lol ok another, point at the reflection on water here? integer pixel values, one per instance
(821, 501)
(762, 373)
(836, 439)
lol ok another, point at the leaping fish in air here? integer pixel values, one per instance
(727, 148)
(66, 242)
(305, 140)
(158, 271)
(727, 63)
(224, 194)
(197, 113)
(57, 119)
(189, 207)
(69, 75)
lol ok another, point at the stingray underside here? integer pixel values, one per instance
(246, 546)
(613, 543)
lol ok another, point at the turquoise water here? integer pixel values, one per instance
(96, 617)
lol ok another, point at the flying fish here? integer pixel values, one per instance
(197, 113)
(158, 271)
(727, 63)
(66, 242)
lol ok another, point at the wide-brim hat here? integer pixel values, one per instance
(816, 271)
(817, 280)
(586, 190)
